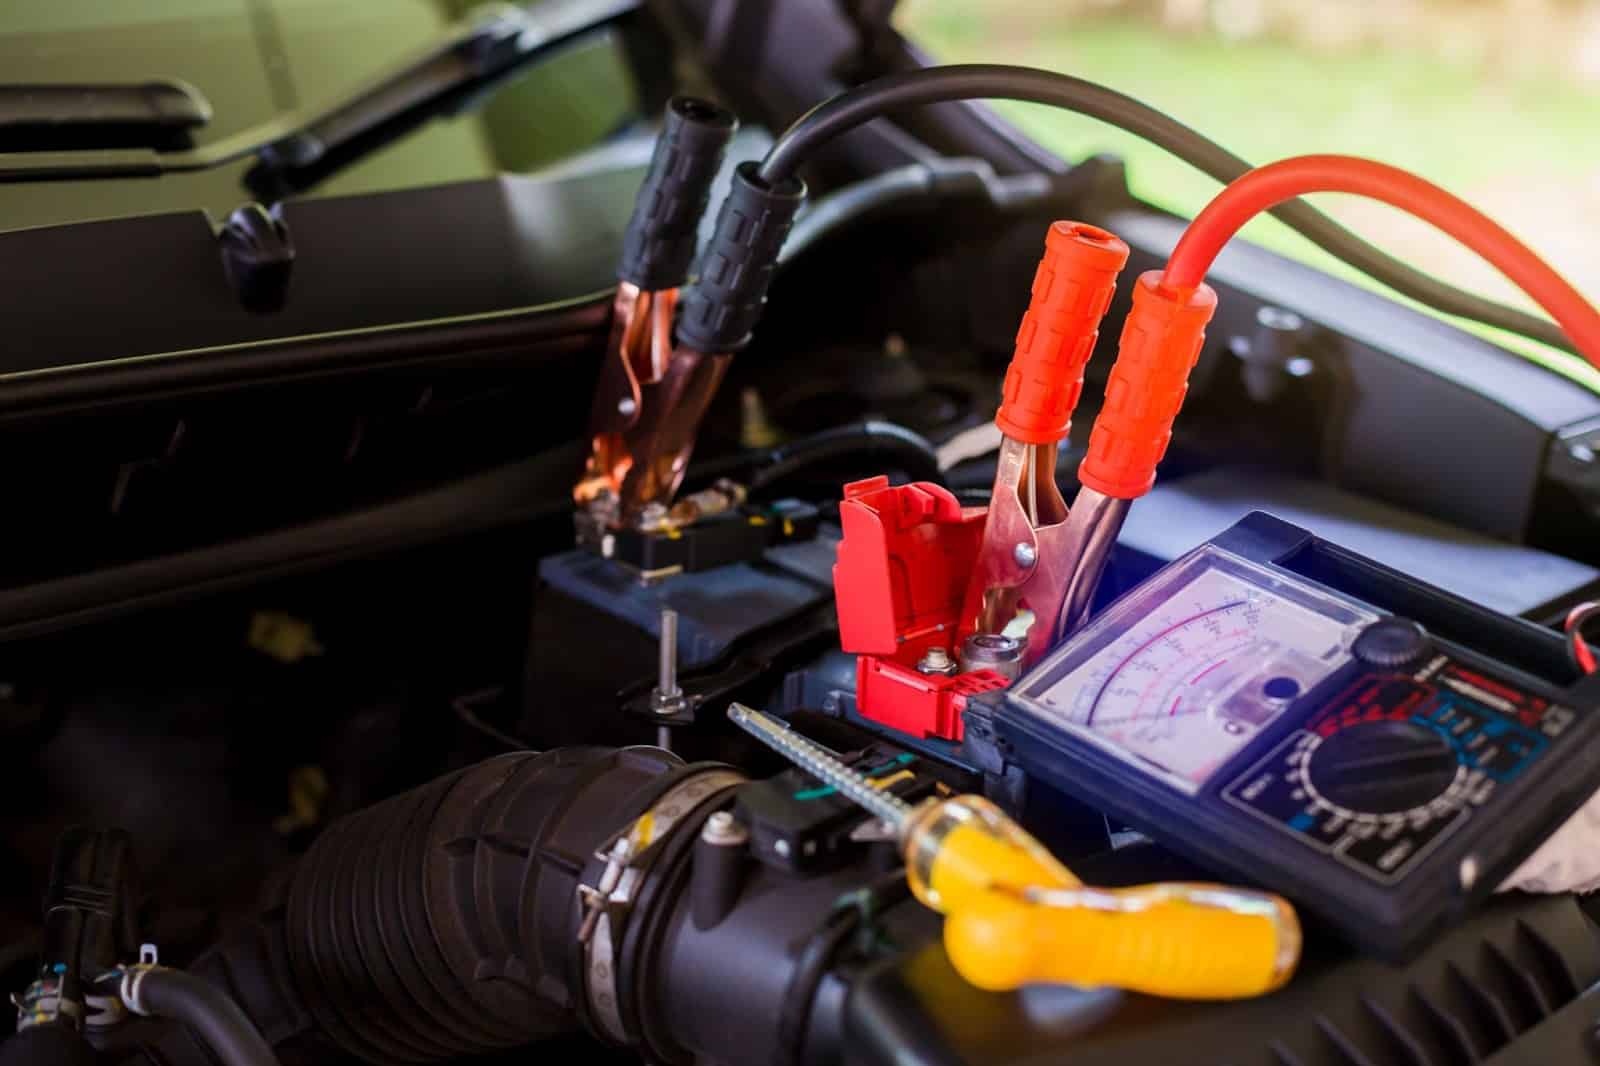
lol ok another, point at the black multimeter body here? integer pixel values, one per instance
(1297, 716)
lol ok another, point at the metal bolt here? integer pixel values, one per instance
(782, 848)
(667, 699)
(1272, 353)
(937, 661)
(992, 651)
(1025, 554)
(653, 516)
(627, 406)
(723, 830)
(1279, 320)
(668, 680)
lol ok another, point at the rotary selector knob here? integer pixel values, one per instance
(1382, 767)
(1392, 643)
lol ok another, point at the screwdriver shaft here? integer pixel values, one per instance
(821, 765)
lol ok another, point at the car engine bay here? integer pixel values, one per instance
(746, 592)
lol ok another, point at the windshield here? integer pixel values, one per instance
(254, 60)
(1497, 100)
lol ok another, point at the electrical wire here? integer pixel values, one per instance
(974, 81)
(886, 441)
(850, 914)
(915, 182)
(463, 708)
(1578, 649)
(884, 444)
(1274, 184)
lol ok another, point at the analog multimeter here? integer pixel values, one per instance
(1274, 706)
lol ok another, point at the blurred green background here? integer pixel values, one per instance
(1497, 100)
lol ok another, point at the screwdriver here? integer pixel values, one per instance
(1014, 915)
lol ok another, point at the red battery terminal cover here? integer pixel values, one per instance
(899, 581)
(1160, 344)
(1073, 287)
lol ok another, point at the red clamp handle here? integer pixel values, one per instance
(1071, 290)
(1160, 343)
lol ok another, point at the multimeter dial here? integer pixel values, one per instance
(1381, 768)
(1395, 762)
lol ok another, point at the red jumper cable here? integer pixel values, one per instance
(1166, 328)
(1026, 558)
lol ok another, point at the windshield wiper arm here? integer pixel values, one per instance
(481, 48)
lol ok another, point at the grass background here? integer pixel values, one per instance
(1519, 141)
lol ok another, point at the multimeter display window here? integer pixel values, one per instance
(1181, 675)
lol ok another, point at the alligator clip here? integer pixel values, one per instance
(1024, 562)
(651, 396)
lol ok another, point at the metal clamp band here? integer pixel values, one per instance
(607, 902)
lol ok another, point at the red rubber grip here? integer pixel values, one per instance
(1160, 344)
(1071, 290)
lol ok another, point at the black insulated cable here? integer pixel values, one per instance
(992, 81)
(914, 182)
(1578, 651)
(867, 445)
(887, 442)
(208, 1012)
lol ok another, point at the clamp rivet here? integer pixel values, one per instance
(1025, 554)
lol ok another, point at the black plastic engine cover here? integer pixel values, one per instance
(1513, 984)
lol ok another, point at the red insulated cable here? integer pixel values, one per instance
(1577, 647)
(1266, 187)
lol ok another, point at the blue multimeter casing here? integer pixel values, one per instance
(1285, 711)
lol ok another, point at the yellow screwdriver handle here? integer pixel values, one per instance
(965, 845)
(1186, 941)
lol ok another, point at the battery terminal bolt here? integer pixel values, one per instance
(937, 661)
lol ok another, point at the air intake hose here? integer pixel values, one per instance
(444, 922)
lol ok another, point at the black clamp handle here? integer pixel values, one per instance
(660, 240)
(736, 268)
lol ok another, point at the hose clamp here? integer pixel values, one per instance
(607, 902)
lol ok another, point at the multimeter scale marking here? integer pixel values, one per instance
(1158, 638)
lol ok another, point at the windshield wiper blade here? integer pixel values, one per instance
(481, 48)
(102, 115)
